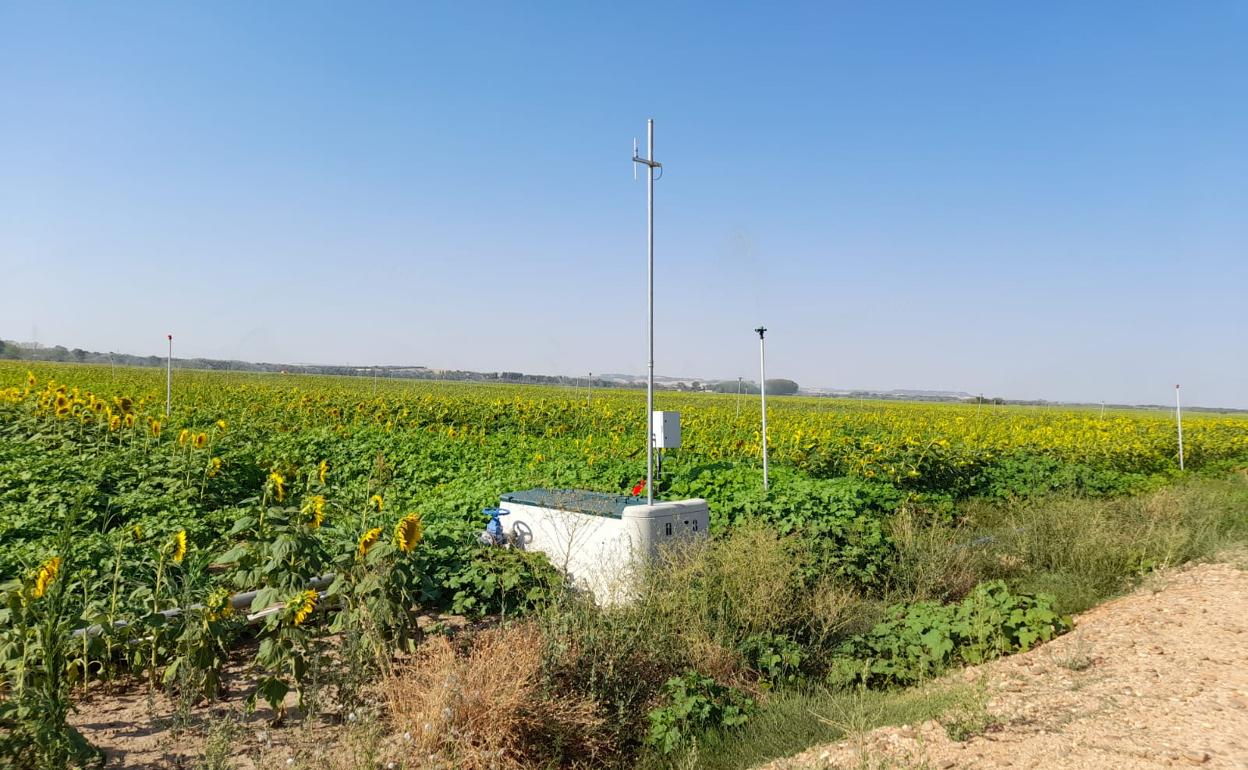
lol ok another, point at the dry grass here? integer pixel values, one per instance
(487, 705)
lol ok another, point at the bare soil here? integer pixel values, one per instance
(1156, 679)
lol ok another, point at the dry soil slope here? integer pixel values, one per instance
(1155, 679)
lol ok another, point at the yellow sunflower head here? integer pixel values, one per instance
(221, 424)
(367, 541)
(303, 603)
(217, 606)
(30, 379)
(183, 436)
(376, 502)
(114, 422)
(314, 508)
(200, 440)
(408, 532)
(128, 420)
(46, 575)
(214, 467)
(155, 426)
(321, 470)
(179, 546)
(136, 532)
(279, 485)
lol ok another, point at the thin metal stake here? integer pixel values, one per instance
(762, 368)
(169, 378)
(1178, 418)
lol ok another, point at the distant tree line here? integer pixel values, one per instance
(774, 387)
(32, 352)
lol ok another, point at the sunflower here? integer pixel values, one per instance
(217, 606)
(376, 502)
(47, 574)
(125, 403)
(62, 402)
(367, 541)
(199, 440)
(408, 532)
(183, 436)
(155, 427)
(279, 485)
(129, 420)
(114, 422)
(179, 546)
(315, 508)
(221, 425)
(214, 467)
(303, 603)
(321, 470)
(30, 379)
(136, 532)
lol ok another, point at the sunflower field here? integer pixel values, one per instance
(93, 447)
(115, 514)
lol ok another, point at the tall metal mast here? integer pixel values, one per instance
(651, 164)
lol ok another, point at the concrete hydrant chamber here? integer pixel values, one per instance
(597, 538)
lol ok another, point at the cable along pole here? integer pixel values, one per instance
(651, 164)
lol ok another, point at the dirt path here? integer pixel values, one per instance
(1155, 679)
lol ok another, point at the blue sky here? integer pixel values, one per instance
(1027, 200)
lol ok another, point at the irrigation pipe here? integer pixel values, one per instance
(238, 601)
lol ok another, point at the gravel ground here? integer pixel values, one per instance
(1155, 679)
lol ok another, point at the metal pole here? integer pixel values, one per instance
(650, 312)
(1178, 417)
(589, 393)
(651, 165)
(762, 369)
(738, 398)
(169, 378)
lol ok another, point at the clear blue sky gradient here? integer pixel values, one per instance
(1029, 200)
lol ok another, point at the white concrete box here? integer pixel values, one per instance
(597, 538)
